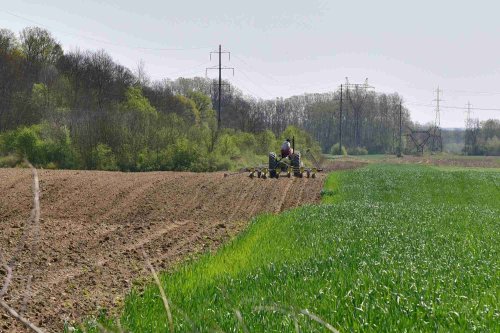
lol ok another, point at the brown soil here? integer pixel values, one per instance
(93, 224)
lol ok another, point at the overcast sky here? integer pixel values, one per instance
(284, 48)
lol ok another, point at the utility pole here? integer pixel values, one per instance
(340, 123)
(220, 86)
(437, 121)
(219, 68)
(400, 150)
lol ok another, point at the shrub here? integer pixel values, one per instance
(147, 160)
(27, 144)
(9, 161)
(226, 146)
(246, 142)
(58, 147)
(335, 150)
(265, 142)
(492, 146)
(357, 151)
(51, 166)
(104, 158)
(181, 155)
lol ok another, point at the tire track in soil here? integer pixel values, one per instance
(284, 195)
(94, 223)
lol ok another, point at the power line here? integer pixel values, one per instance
(104, 41)
(252, 68)
(189, 70)
(454, 107)
(465, 108)
(260, 87)
(246, 89)
(475, 92)
(246, 64)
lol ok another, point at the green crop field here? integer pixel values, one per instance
(393, 248)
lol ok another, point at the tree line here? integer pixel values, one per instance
(81, 109)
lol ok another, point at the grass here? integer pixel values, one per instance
(391, 249)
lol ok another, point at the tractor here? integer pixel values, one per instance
(290, 165)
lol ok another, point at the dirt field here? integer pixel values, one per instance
(93, 224)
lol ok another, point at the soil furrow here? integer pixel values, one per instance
(94, 223)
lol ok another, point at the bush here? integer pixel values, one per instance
(104, 159)
(147, 160)
(41, 145)
(212, 162)
(226, 146)
(335, 150)
(246, 142)
(58, 148)
(182, 155)
(265, 142)
(9, 161)
(29, 145)
(492, 146)
(357, 151)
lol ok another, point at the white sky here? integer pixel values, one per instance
(284, 48)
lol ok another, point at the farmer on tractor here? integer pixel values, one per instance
(286, 150)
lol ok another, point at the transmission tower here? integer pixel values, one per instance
(436, 139)
(400, 148)
(468, 131)
(359, 88)
(220, 84)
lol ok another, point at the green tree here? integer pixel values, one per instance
(104, 158)
(39, 46)
(265, 142)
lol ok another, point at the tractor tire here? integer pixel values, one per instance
(296, 165)
(272, 165)
(295, 160)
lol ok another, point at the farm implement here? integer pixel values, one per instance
(289, 165)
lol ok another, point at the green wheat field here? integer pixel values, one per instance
(392, 248)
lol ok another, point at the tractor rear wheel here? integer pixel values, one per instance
(296, 164)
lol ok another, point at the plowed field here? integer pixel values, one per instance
(86, 255)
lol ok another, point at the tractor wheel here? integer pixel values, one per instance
(272, 165)
(296, 160)
(296, 165)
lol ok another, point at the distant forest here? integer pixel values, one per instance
(80, 109)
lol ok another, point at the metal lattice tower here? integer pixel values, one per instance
(356, 107)
(468, 130)
(219, 68)
(436, 139)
